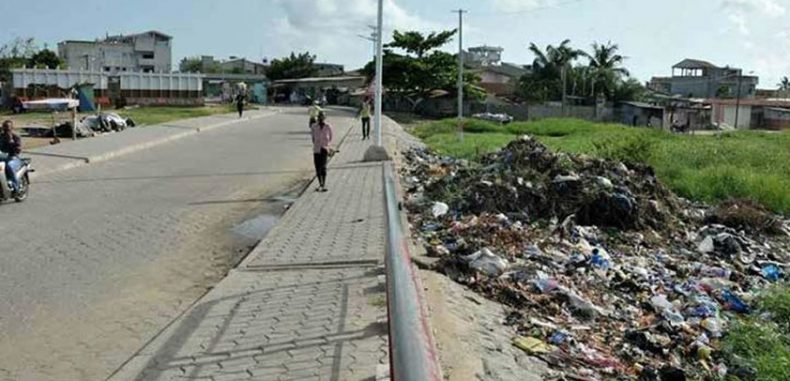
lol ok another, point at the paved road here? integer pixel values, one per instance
(100, 258)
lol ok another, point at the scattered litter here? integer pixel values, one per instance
(607, 272)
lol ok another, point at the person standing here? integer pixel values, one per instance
(322, 138)
(364, 115)
(240, 103)
(10, 149)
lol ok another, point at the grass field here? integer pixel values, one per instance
(709, 168)
(141, 116)
(761, 344)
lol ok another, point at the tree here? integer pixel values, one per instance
(46, 59)
(15, 54)
(191, 65)
(628, 90)
(421, 68)
(784, 84)
(545, 82)
(418, 44)
(606, 69)
(293, 67)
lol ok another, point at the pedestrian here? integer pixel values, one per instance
(322, 138)
(10, 149)
(364, 115)
(240, 103)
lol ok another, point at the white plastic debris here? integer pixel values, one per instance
(439, 209)
(487, 262)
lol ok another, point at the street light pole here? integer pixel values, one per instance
(461, 73)
(379, 70)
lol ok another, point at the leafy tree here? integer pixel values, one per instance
(421, 68)
(191, 65)
(784, 84)
(628, 90)
(15, 54)
(293, 67)
(45, 59)
(418, 44)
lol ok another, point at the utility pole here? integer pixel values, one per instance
(379, 70)
(460, 73)
(738, 97)
(564, 87)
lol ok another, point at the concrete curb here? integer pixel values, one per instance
(83, 161)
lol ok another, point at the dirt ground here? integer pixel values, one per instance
(472, 341)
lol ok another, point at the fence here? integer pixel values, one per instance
(446, 108)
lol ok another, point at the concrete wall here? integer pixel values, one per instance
(724, 115)
(777, 119)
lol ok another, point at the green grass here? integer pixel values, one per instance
(141, 115)
(764, 345)
(744, 164)
(158, 115)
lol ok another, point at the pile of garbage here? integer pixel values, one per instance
(609, 274)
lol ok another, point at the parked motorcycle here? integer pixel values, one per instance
(6, 192)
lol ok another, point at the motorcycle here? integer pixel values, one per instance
(6, 192)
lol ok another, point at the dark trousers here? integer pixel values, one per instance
(365, 128)
(320, 159)
(240, 108)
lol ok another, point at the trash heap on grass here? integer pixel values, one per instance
(609, 274)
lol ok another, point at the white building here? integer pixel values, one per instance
(148, 52)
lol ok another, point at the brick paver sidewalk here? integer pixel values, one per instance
(307, 304)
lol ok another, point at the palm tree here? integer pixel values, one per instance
(550, 65)
(784, 85)
(606, 66)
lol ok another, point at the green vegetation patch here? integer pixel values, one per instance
(710, 168)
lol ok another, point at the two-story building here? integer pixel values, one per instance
(148, 52)
(701, 79)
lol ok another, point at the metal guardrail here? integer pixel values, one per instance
(413, 355)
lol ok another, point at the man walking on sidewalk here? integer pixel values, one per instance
(364, 115)
(322, 138)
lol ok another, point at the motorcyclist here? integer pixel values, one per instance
(10, 149)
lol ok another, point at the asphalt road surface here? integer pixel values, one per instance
(100, 258)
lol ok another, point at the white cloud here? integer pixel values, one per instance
(773, 8)
(331, 28)
(740, 23)
(521, 5)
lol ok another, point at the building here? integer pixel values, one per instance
(496, 77)
(642, 114)
(484, 56)
(501, 79)
(328, 70)
(751, 113)
(701, 79)
(148, 52)
(234, 65)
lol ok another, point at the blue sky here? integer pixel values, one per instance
(653, 34)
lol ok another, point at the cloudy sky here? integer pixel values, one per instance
(653, 34)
